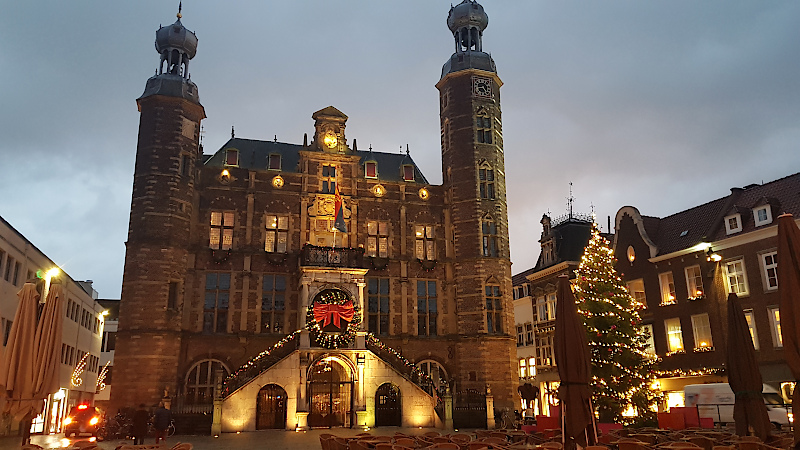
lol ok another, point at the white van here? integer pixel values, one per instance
(716, 400)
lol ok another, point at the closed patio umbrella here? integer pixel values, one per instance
(789, 292)
(574, 369)
(744, 377)
(48, 341)
(18, 363)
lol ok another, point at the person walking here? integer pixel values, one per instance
(161, 421)
(139, 427)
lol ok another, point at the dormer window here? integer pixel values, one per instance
(408, 172)
(733, 223)
(274, 162)
(371, 169)
(762, 215)
(231, 157)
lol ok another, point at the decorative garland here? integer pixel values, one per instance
(333, 306)
(76, 379)
(689, 372)
(246, 366)
(427, 264)
(102, 378)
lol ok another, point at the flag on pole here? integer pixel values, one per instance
(338, 220)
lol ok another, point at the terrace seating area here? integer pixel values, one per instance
(615, 439)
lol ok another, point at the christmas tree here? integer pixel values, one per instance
(622, 370)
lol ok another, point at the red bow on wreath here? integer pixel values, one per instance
(330, 312)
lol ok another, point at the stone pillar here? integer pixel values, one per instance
(216, 419)
(302, 403)
(448, 409)
(361, 283)
(305, 341)
(302, 420)
(489, 409)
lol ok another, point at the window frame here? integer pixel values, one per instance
(732, 230)
(650, 340)
(701, 324)
(328, 179)
(427, 318)
(276, 230)
(766, 268)
(775, 326)
(483, 128)
(408, 172)
(489, 238)
(493, 300)
(750, 318)
(487, 183)
(273, 303)
(217, 312)
(224, 230)
(377, 239)
(768, 215)
(274, 157)
(671, 347)
(633, 291)
(374, 166)
(692, 280)
(666, 281)
(746, 290)
(228, 153)
(382, 319)
(425, 242)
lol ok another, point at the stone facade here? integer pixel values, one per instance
(226, 252)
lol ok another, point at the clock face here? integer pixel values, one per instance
(482, 87)
(330, 140)
(424, 194)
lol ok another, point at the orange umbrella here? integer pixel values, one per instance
(574, 368)
(743, 374)
(789, 291)
(48, 341)
(18, 364)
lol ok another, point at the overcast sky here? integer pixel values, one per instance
(662, 105)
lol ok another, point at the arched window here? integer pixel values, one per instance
(489, 234)
(486, 181)
(200, 381)
(437, 374)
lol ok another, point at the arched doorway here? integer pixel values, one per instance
(387, 406)
(330, 393)
(199, 387)
(271, 408)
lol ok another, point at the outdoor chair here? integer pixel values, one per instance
(182, 446)
(325, 441)
(460, 437)
(431, 434)
(701, 441)
(478, 445)
(32, 447)
(358, 445)
(632, 445)
(723, 447)
(337, 443)
(749, 439)
(400, 447)
(384, 446)
(647, 438)
(596, 447)
(440, 439)
(552, 445)
(405, 442)
(450, 445)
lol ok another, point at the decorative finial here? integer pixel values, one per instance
(305, 139)
(276, 138)
(233, 134)
(180, 6)
(355, 145)
(407, 151)
(570, 200)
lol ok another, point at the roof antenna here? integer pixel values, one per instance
(180, 6)
(570, 200)
(233, 134)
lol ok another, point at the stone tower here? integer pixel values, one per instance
(474, 182)
(162, 209)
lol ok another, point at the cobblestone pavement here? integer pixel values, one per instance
(266, 440)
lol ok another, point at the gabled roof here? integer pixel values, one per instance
(704, 223)
(254, 155)
(521, 278)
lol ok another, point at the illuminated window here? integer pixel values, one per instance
(769, 263)
(328, 179)
(378, 305)
(232, 157)
(751, 324)
(273, 303)
(674, 334)
(371, 169)
(426, 308)
(423, 244)
(636, 289)
(651, 345)
(489, 232)
(735, 277)
(378, 239)
(408, 173)
(201, 380)
(494, 309)
(215, 309)
(274, 162)
(775, 323)
(486, 178)
(221, 233)
(702, 331)
(277, 234)
(523, 368)
(667, 288)
(694, 282)
(483, 128)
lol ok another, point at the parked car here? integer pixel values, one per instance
(83, 419)
(715, 400)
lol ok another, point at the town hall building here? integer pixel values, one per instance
(319, 284)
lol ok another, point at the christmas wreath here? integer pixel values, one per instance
(333, 309)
